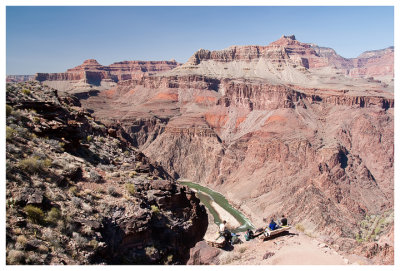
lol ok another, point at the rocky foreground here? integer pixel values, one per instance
(78, 193)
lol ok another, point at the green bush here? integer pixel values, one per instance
(46, 163)
(155, 209)
(93, 243)
(35, 214)
(130, 187)
(31, 164)
(53, 216)
(10, 133)
(26, 91)
(8, 110)
(74, 190)
(36, 120)
(34, 164)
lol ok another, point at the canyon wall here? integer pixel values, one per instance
(91, 74)
(288, 128)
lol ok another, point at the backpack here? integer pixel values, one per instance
(249, 235)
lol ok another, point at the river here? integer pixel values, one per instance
(209, 198)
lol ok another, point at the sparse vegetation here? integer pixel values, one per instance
(9, 110)
(130, 187)
(300, 227)
(150, 251)
(21, 241)
(95, 177)
(10, 133)
(36, 120)
(112, 191)
(23, 132)
(53, 216)
(93, 243)
(372, 226)
(74, 190)
(15, 257)
(170, 258)
(79, 239)
(64, 225)
(26, 91)
(34, 164)
(34, 214)
(77, 202)
(155, 209)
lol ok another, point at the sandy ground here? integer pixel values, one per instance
(294, 248)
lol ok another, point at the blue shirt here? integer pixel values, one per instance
(272, 225)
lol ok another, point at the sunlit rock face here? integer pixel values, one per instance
(287, 128)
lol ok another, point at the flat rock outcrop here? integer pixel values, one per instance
(91, 74)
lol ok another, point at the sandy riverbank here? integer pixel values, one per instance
(231, 221)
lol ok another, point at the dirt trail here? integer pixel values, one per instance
(292, 249)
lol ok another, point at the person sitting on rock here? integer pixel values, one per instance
(222, 226)
(222, 229)
(283, 221)
(273, 225)
(249, 235)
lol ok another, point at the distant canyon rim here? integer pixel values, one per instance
(287, 128)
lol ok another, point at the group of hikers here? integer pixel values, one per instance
(231, 237)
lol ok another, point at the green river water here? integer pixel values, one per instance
(207, 196)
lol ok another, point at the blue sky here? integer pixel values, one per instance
(53, 39)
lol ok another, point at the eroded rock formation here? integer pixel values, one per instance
(283, 128)
(79, 193)
(91, 74)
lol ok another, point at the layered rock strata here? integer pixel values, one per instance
(91, 74)
(278, 129)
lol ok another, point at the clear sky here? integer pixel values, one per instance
(53, 39)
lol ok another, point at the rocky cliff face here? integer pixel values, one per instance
(19, 78)
(78, 193)
(288, 60)
(282, 128)
(91, 74)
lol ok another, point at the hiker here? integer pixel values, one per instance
(273, 225)
(227, 235)
(249, 235)
(223, 231)
(235, 239)
(222, 226)
(283, 221)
